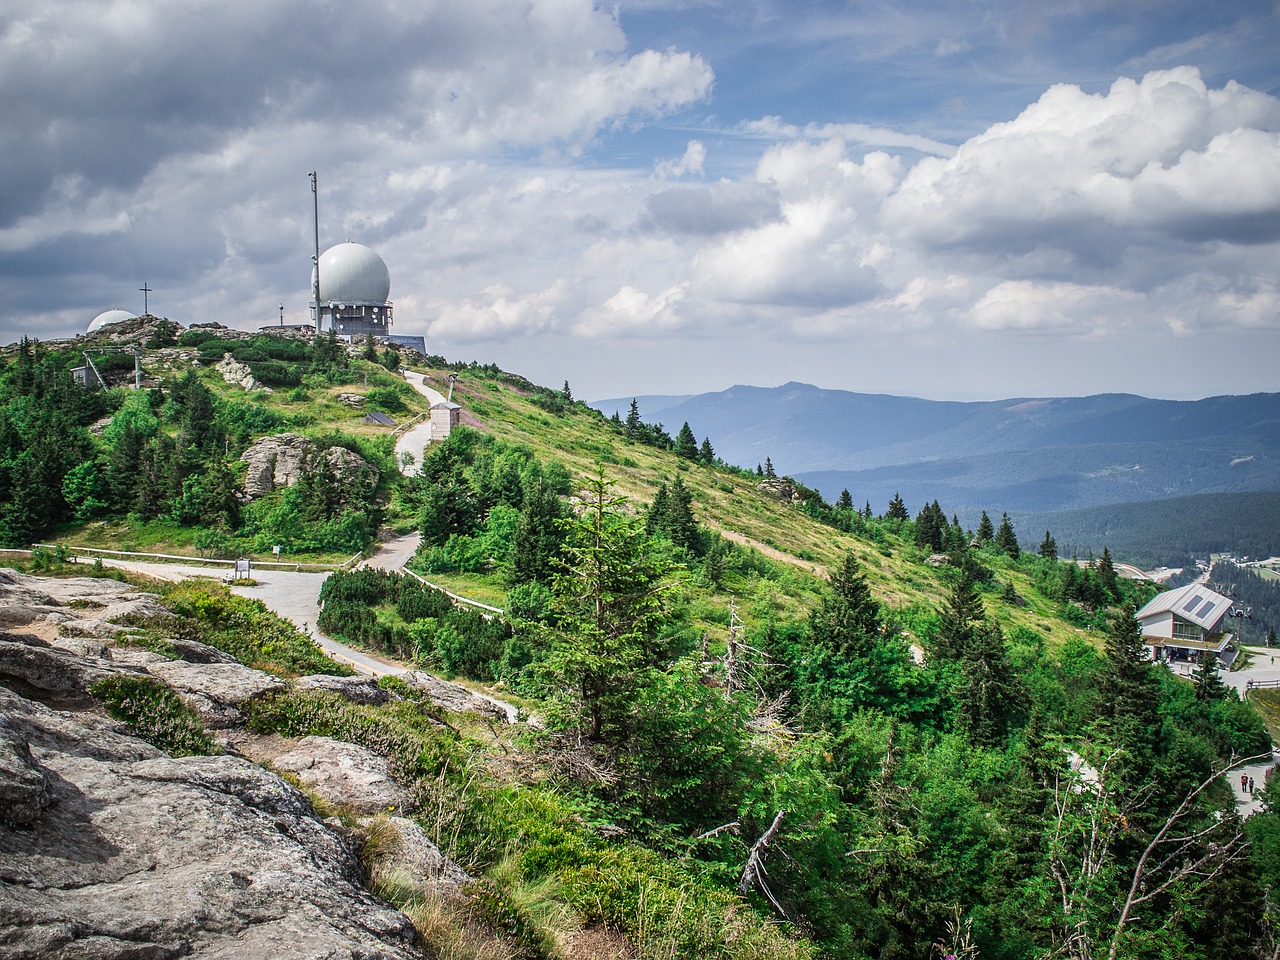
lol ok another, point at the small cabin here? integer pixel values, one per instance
(445, 415)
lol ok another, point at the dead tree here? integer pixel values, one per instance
(754, 873)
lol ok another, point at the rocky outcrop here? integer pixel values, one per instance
(280, 460)
(344, 774)
(407, 857)
(362, 690)
(452, 696)
(125, 852)
(238, 374)
(780, 489)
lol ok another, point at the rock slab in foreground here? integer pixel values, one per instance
(129, 853)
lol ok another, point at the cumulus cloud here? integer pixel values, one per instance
(499, 313)
(695, 155)
(631, 311)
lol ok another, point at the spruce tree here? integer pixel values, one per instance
(768, 469)
(897, 509)
(989, 696)
(680, 525)
(845, 501)
(686, 443)
(1208, 682)
(1048, 547)
(568, 394)
(535, 546)
(1107, 575)
(960, 616)
(1006, 539)
(1129, 697)
(634, 426)
(985, 530)
(706, 454)
(370, 349)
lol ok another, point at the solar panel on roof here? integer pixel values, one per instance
(1191, 603)
(1208, 605)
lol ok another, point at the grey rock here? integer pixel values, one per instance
(344, 774)
(452, 696)
(362, 690)
(23, 791)
(49, 674)
(215, 690)
(136, 854)
(406, 856)
(237, 374)
(279, 461)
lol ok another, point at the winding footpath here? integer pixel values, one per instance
(414, 441)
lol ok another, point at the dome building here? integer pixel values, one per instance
(107, 318)
(354, 287)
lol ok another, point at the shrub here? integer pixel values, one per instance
(156, 714)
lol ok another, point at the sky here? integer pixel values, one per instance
(953, 200)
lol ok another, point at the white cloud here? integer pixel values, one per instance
(631, 311)
(499, 313)
(1067, 308)
(695, 154)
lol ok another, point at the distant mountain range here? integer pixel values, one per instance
(1026, 455)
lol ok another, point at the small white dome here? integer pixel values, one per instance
(110, 316)
(352, 273)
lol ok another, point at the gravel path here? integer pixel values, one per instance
(414, 441)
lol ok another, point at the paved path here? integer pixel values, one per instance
(414, 441)
(294, 596)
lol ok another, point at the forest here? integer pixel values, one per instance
(882, 736)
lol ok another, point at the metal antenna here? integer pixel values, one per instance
(315, 205)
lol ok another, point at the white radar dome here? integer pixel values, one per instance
(352, 273)
(109, 317)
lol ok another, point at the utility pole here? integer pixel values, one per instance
(146, 302)
(315, 205)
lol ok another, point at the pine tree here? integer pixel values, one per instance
(897, 509)
(1006, 539)
(609, 611)
(989, 695)
(759, 470)
(959, 619)
(768, 469)
(845, 500)
(538, 537)
(656, 516)
(1048, 547)
(680, 525)
(985, 530)
(370, 349)
(686, 443)
(1208, 682)
(634, 426)
(1107, 575)
(1129, 696)
(568, 394)
(706, 454)
(866, 510)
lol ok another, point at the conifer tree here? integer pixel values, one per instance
(897, 509)
(1128, 697)
(989, 695)
(1208, 682)
(1006, 539)
(985, 530)
(845, 500)
(706, 454)
(866, 510)
(960, 616)
(768, 468)
(1048, 547)
(686, 443)
(634, 425)
(1107, 576)
(568, 394)
(535, 547)
(759, 470)
(609, 611)
(370, 349)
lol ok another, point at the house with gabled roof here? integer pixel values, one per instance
(1183, 624)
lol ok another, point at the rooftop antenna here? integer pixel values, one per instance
(453, 378)
(315, 205)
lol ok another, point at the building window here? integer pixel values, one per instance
(1185, 631)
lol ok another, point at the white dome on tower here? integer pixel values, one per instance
(352, 273)
(109, 317)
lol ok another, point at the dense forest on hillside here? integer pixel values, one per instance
(845, 733)
(1254, 594)
(1170, 532)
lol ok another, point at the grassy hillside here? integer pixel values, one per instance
(769, 725)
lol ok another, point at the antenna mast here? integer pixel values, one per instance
(315, 205)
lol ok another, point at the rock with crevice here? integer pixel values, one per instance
(452, 696)
(362, 690)
(407, 857)
(280, 461)
(344, 775)
(216, 691)
(238, 374)
(131, 853)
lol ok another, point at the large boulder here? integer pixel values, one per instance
(280, 460)
(362, 690)
(453, 697)
(344, 774)
(237, 374)
(125, 852)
